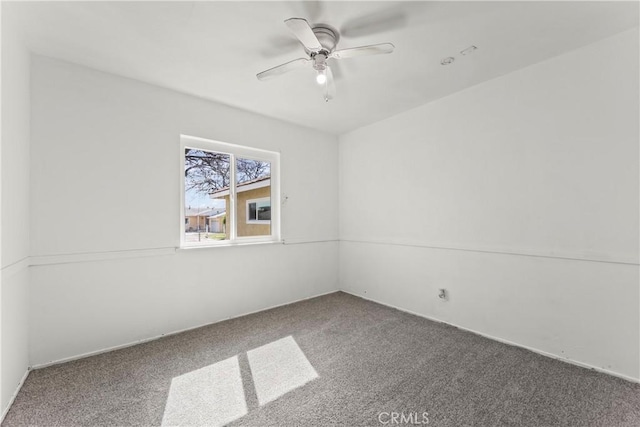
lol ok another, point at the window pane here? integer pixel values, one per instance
(252, 212)
(253, 188)
(264, 211)
(206, 197)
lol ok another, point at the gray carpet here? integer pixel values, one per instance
(369, 359)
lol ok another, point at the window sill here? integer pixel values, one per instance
(230, 245)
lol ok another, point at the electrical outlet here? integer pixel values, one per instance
(443, 294)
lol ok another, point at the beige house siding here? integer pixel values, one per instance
(244, 229)
(192, 222)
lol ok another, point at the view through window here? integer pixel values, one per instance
(227, 193)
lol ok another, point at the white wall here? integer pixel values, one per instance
(105, 214)
(520, 196)
(14, 211)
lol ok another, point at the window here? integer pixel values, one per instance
(259, 211)
(229, 194)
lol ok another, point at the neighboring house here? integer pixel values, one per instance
(254, 206)
(217, 223)
(199, 219)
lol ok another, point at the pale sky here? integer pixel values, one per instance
(195, 200)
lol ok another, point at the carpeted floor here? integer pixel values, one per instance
(332, 360)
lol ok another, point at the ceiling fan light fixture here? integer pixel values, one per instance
(321, 77)
(319, 44)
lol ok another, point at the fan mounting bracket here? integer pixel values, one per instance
(327, 36)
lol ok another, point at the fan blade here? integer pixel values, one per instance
(329, 86)
(283, 68)
(302, 30)
(281, 43)
(336, 70)
(374, 49)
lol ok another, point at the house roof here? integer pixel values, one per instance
(243, 186)
(202, 211)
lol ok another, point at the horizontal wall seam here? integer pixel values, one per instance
(74, 258)
(305, 242)
(15, 267)
(42, 260)
(495, 251)
(38, 260)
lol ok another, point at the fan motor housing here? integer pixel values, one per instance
(327, 36)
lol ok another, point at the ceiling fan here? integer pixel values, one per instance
(320, 43)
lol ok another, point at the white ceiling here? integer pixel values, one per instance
(214, 49)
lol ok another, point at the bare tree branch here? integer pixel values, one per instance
(206, 172)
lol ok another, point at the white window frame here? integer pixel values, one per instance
(233, 151)
(256, 221)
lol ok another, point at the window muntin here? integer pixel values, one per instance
(229, 176)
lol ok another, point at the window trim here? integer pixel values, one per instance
(256, 221)
(234, 151)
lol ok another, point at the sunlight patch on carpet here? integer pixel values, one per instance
(278, 368)
(211, 396)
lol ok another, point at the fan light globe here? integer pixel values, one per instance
(321, 78)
